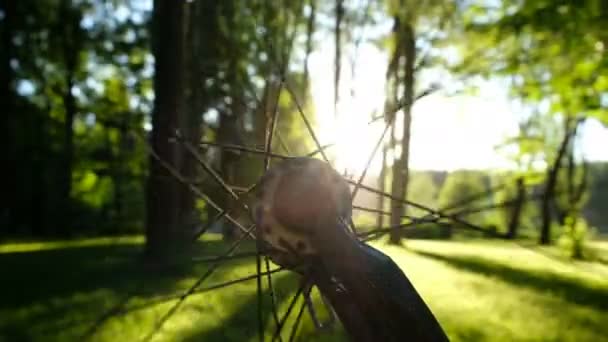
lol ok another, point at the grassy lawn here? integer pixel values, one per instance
(479, 291)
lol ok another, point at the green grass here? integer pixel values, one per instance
(479, 291)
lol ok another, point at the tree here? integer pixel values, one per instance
(7, 97)
(71, 42)
(415, 23)
(162, 191)
(405, 28)
(539, 47)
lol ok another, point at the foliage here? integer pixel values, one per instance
(504, 199)
(551, 55)
(100, 55)
(422, 190)
(460, 186)
(576, 234)
(598, 197)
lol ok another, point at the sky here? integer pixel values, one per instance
(448, 132)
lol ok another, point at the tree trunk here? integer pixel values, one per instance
(516, 212)
(381, 185)
(401, 164)
(7, 103)
(338, 52)
(310, 29)
(226, 135)
(228, 128)
(389, 104)
(552, 173)
(163, 190)
(200, 25)
(70, 55)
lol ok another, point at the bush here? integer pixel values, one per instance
(575, 234)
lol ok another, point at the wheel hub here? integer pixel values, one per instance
(296, 199)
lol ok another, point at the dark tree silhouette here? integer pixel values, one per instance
(163, 190)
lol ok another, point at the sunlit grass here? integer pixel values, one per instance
(479, 291)
(495, 291)
(32, 246)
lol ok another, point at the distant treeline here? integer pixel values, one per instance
(495, 189)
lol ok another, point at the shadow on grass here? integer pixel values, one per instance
(34, 276)
(49, 290)
(242, 325)
(568, 289)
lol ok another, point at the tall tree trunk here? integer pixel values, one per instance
(163, 190)
(7, 103)
(549, 194)
(228, 129)
(392, 81)
(310, 30)
(401, 164)
(381, 186)
(338, 52)
(226, 135)
(70, 40)
(200, 25)
(514, 220)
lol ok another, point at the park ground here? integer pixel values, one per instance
(479, 290)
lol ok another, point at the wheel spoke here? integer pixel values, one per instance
(377, 233)
(282, 143)
(295, 298)
(218, 179)
(423, 207)
(224, 213)
(194, 287)
(319, 150)
(258, 266)
(207, 259)
(273, 301)
(241, 148)
(201, 290)
(372, 155)
(382, 212)
(272, 125)
(392, 114)
(306, 122)
(200, 194)
(296, 324)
